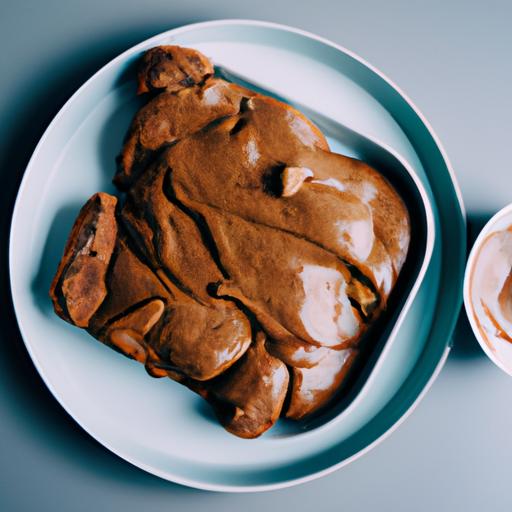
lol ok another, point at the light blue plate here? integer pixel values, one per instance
(157, 424)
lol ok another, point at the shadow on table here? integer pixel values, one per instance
(465, 345)
(27, 398)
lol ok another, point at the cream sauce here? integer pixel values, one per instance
(326, 313)
(491, 288)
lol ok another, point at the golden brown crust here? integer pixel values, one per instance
(172, 68)
(81, 272)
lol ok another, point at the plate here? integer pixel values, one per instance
(156, 424)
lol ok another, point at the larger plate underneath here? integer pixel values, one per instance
(157, 424)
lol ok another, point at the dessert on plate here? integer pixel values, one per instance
(242, 257)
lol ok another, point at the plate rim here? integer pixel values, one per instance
(190, 482)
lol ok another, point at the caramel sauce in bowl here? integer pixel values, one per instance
(488, 289)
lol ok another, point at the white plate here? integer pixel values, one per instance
(157, 424)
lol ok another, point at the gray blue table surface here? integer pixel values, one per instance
(453, 60)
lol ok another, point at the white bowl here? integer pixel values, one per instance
(498, 349)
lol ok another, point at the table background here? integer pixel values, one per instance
(453, 60)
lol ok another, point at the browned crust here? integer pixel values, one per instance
(172, 68)
(97, 216)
